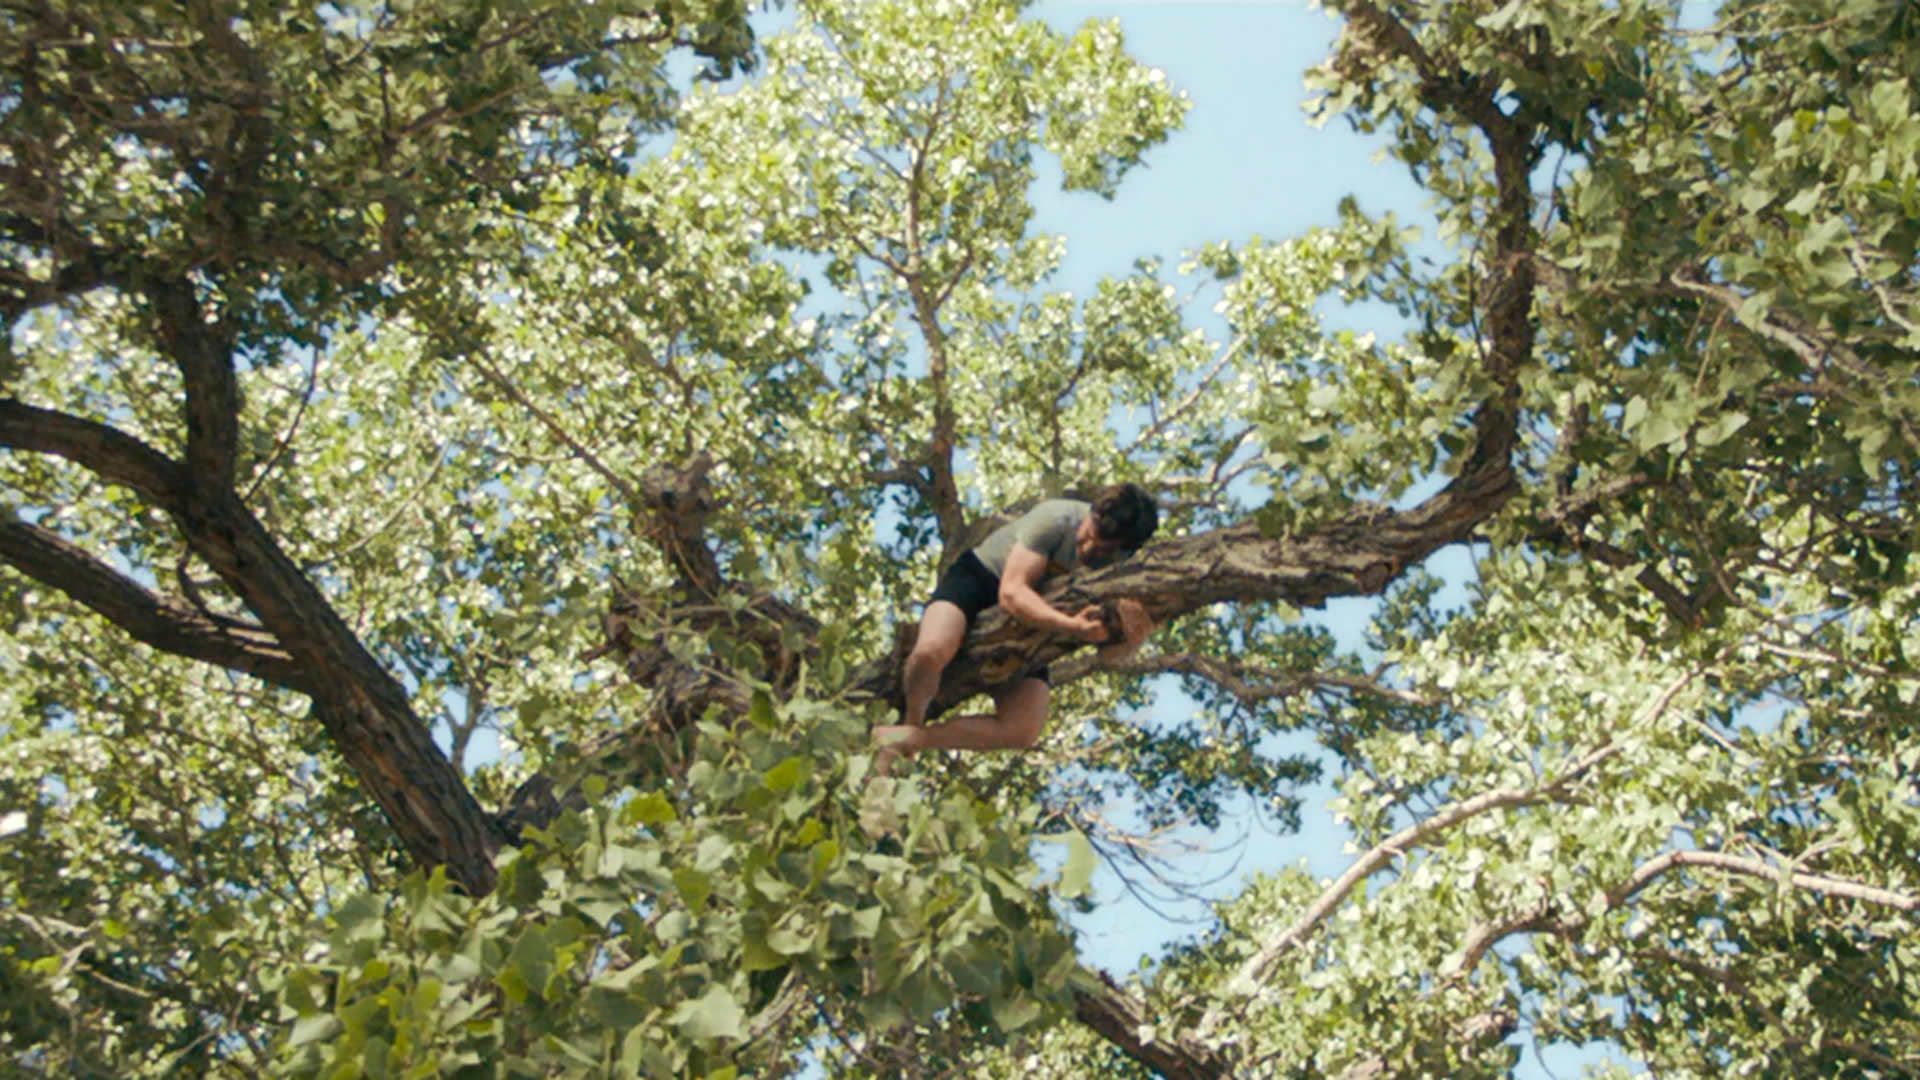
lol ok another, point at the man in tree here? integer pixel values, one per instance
(1008, 569)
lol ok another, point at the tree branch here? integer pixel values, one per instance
(365, 709)
(679, 501)
(1563, 524)
(1356, 554)
(203, 353)
(1820, 883)
(108, 453)
(1125, 1021)
(164, 622)
(1260, 965)
(1469, 96)
(559, 431)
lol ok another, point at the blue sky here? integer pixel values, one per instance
(1247, 162)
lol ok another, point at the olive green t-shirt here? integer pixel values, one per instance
(1048, 528)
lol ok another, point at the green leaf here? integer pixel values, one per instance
(825, 854)
(1721, 429)
(791, 936)
(713, 1015)
(532, 958)
(787, 775)
(1078, 871)
(760, 713)
(1664, 425)
(614, 1010)
(311, 1029)
(694, 887)
(648, 809)
(1013, 1010)
(1636, 411)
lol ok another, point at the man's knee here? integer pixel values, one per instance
(932, 651)
(1024, 732)
(941, 630)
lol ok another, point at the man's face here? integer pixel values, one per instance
(1094, 550)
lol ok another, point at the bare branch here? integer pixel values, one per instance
(558, 431)
(1251, 683)
(1128, 1023)
(1820, 883)
(1257, 968)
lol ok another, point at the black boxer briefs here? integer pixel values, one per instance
(971, 587)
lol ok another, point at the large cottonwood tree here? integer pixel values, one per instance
(378, 370)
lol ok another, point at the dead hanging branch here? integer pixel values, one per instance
(1252, 684)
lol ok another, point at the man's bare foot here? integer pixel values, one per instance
(895, 741)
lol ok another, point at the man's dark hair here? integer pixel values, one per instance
(1125, 514)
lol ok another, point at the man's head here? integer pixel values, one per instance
(1123, 518)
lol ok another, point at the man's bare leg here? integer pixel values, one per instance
(942, 627)
(1020, 712)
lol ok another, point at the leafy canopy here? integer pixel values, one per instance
(494, 353)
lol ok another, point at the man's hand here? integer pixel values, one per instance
(1090, 624)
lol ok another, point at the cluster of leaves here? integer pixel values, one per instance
(691, 931)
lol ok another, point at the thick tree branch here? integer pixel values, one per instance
(164, 622)
(1124, 1020)
(300, 641)
(363, 707)
(203, 352)
(680, 500)
(1357, 554)
(108, 453)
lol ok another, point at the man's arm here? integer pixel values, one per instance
(1024, 570)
